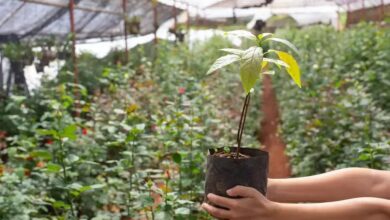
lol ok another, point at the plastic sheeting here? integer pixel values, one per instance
(103, 18)
(305, 12)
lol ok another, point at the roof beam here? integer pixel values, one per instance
(77, 7)
(10, 15)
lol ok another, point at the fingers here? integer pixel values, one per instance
(216, 212)
(243, 191)
(221, 201)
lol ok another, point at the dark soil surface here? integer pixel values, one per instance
(230, 155)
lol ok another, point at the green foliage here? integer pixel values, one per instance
(342, 110)
(252, 59)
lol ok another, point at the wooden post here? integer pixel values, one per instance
(174, 16)
(74, 57)
(348, 17)
(197, 17)
(155, 20)
(364, 10)
(188, 21)
(124, 6)
(1, 75)
(383, 10)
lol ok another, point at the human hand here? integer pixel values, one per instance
(252, 206)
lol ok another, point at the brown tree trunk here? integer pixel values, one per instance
(268, 136)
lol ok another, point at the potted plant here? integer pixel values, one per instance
(237, 165)
(133, 25)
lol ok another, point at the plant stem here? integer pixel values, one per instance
(63, 165)
(242, 123)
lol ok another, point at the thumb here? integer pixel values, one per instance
(243, 191)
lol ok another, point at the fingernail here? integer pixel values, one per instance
(209, 195)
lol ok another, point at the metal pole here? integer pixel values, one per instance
(74, 57)
(155, 20)
(124, 6)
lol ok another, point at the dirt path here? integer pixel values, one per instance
(268, 135)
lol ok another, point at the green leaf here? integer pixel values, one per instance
(53, 168)
(60, 204)
(44, 132)
(176, 158)
(82, 189)
(285, 42)
(293, 68)
(70, 132)
(237, 52)
(268, 72)
(72, 158)
(243, 34)
(182, 211)
(250, 67)
(264, 36)
(222, 62)
(45, 155)
(277, 62)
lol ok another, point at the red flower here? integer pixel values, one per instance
(153, 127)
(49, 141)
(182, 90)
(168, 174)
(84, 131)
(3, 134)
(27, 172)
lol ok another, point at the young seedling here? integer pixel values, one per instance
(254, 62)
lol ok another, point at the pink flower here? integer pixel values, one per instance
(182, 90)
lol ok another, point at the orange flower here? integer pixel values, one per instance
(40, 164)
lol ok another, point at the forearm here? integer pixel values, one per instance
(357, 209)
(332, 186)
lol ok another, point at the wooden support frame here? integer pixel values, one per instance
(124, 7)
(188, 21)
(364, 12)
(174, 16)
(383, 9)
(74, 57)
(76, 7)
(10, 15)
(155, 20)
(1, 76)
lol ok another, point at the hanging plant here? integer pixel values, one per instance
(133, 25)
